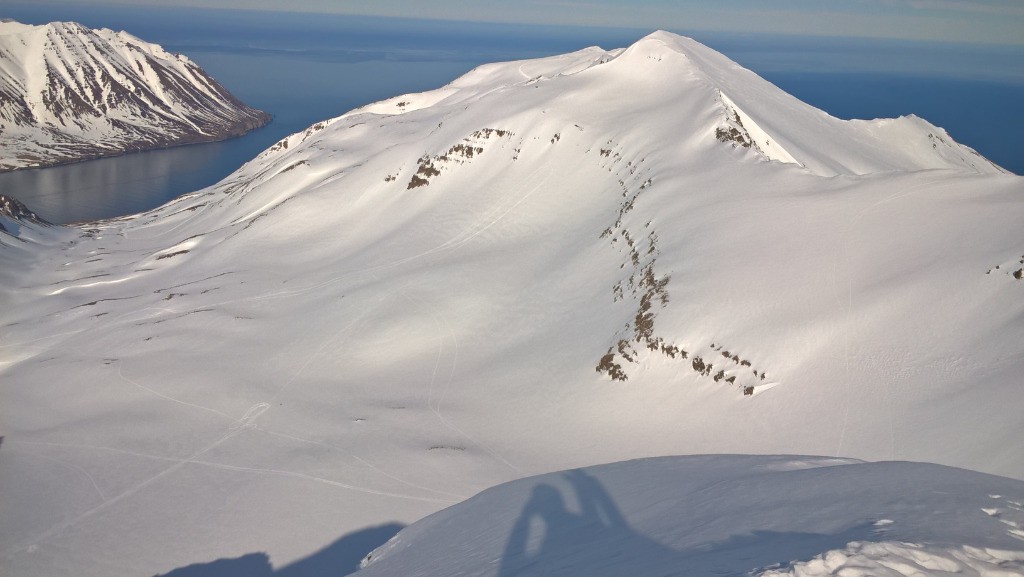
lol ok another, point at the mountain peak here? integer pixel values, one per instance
(70, 93)
(703, 94)
(788, 130)
(661, 41)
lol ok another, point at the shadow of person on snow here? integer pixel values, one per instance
(548, 538)
(594, 538)
(337, 559)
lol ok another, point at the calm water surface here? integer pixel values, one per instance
(303, 69)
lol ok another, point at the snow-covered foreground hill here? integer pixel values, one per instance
(724, 515)
(544, 265)
(70, 93)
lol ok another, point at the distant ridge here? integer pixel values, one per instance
(70, 93)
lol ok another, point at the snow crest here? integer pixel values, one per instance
(897, 559)
(718, 515)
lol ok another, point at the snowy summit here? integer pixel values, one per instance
(544, 265)
(70, 93)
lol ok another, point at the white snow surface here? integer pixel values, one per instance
(723, 515)
(68, 92)
(402, 306)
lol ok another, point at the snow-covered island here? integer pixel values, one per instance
(545, 265)
(71, 93)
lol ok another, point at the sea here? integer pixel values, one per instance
(303, 68)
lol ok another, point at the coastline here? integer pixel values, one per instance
(260, 119)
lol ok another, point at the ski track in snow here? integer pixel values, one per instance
(178, 464)
(456, 496)
(255, 411)
(435, 406)
(319, 350)
(304, 476)
(92, 480)
(453, 496)
(491, 218)
(120, 373)
(30, 341)
(64, 525)
(533, 184)
(472, 232)
(83, 446)
(845, 243)
(238, 425)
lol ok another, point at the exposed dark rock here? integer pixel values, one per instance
(14, 209)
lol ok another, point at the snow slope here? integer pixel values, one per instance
(70, 93)
(724, 515)
(546, 264)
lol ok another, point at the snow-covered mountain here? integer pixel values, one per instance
(70, 93)
(546, 264)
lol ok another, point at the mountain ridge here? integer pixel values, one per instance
(404, 305)
(71, 93)
(867, 144)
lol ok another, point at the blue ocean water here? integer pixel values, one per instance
(305, 68)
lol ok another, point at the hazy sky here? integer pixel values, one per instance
(986, 21)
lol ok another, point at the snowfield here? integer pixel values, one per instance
(545, 265)
(724, 515)
(70, 93)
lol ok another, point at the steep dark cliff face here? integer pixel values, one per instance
(11, 207)
(14, 215)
